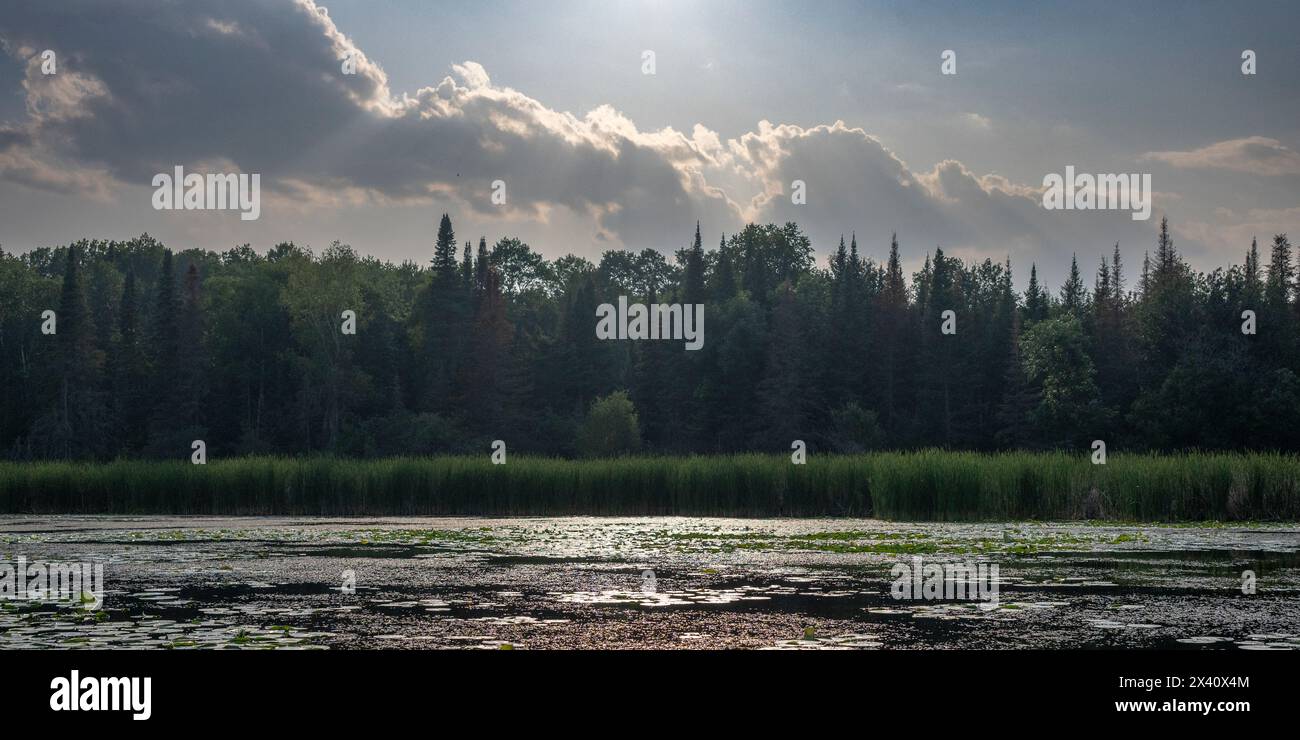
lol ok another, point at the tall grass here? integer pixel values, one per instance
(926, 485)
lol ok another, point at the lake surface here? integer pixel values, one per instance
(651, 582)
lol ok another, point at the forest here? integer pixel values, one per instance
(152, 349)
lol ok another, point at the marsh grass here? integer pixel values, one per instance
(925, 485)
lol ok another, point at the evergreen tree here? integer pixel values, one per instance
(938, 368)
(1281, 273)
(1254, 287)
(1166, 255)
(583, 363)
(1117, 278)
(1073, 294)
(688, 367)
(1168, 325)
(782, 392)
(848, 358)
(722, 286)
(484, 377)
(892, 330)
(446, 308)
(756, 268)
(164, 342)
(75, 427)
(693, 278)
(444, 252)
(1016, 425)
(191, 380)
(129, 374)
(482, 266)
(1036, 303)
(1278, 320)
(467, 274)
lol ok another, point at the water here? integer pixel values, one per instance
(657, 582)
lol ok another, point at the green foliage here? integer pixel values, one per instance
(244, 350)
(855, 429)
(611, 428)
(520, 268)
(1057, 364)
(924, 485)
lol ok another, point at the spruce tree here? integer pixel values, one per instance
(722, 282)
(693, 277)
(130, 373)
(783, 392)
(1073, 294)
(1036, 303)
(892, 345)
(77, 423)
(164, 343)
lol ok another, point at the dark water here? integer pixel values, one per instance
(267, 583)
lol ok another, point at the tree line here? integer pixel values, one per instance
(152, 349)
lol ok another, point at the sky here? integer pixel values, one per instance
(553, 100)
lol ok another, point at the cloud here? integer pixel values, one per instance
(143, 88)
(259, 86)
(854, 182)
(20, 165)
(976, 121)
(1256, 155)
(1236, 228)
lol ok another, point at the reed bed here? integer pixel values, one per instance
(925, 485)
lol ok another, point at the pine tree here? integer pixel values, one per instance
(1073, 294)
(1101, 289)
(782, 392)
(483, 379)
(1254, 287)
(76, 427)
(839, 267)
(1015, 420)
(1036, 304)
(483, 265)
(1281, 273)
(583, 369)
(1169, 327)
(1281, 340)
(837, 368)
(848, 341)
(1166, 255)
(693, 279)
(1117, 278)
(938, 366)
(446, 311)
(892, 344)
(164, 343)
(444, 252)
(722, 286)
(75, 329)
(1109, 341)
(688, 366)
(650, 394)
(467, 274)
(191, 362)
(129, 374)
(165, 329)
(756, 272)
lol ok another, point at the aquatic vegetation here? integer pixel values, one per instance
(794, 583)
(927, 485)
